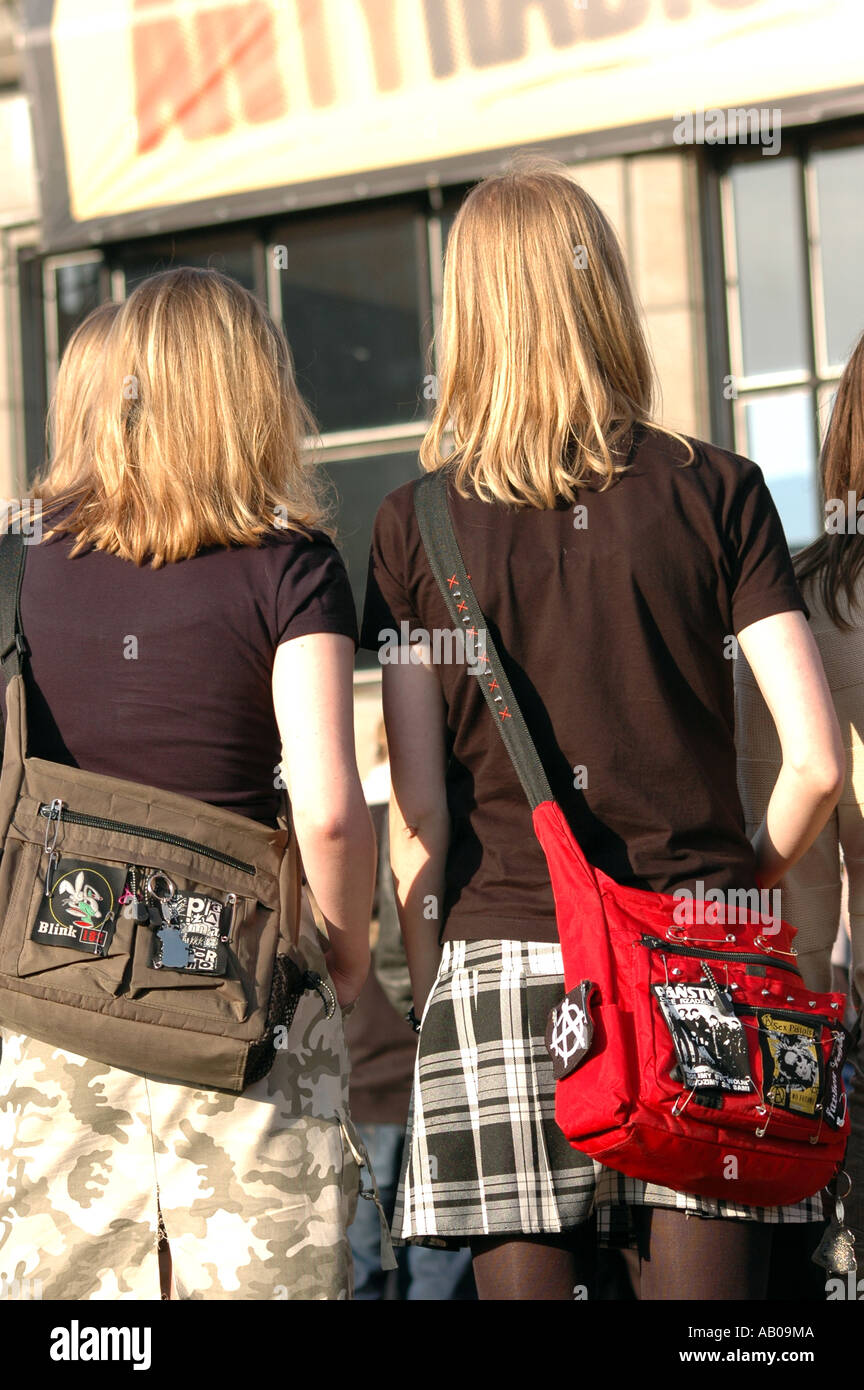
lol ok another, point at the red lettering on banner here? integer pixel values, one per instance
(380, 16)
(202, 74)
(181, 77)
(316, 52)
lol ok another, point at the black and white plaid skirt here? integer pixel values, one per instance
(483, 1154)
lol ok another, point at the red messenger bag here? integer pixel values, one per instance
(688, 1051)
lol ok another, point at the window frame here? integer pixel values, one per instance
(722, 291)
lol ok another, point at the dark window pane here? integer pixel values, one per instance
(35, 387)
(361, 486)
(351, 309)
(772, 269)
(840, 194)
(233, 256)
(77, 290)
(780, 438)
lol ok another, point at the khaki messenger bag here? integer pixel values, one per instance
(138, 927)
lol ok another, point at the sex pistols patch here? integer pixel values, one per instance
(791, 1062)
(709, 1038)
(79, 910)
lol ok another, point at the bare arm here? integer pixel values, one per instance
(785, 661)
(414, 714)
(314, 701)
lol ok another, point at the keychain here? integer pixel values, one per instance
(192, 930)
(172, 952)
(836, 1250)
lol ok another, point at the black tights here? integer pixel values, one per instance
(681, 1257)
(715, 1260)
(534, 1267)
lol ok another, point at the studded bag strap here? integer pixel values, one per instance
(448, 567)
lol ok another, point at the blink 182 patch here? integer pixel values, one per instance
(80, 910)
(792, 1063)
(709, 1038)
(192, 938)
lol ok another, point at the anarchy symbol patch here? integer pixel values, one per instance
(570, 1030)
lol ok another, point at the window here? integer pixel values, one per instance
(71, 286)
(232, 253)
(360, 486)
(793, 235)
(355, 309)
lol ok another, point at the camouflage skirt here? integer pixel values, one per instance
(256, 1191)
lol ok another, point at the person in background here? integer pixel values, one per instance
(831, 575)
(382, 1051)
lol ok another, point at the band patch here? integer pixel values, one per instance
(193, 936)
(834, 1107)
(709, 1038)
(791, 1062)
(79, 911)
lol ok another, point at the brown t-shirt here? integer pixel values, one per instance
(164, 676)
(615, 635)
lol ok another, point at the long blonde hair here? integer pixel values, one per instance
(543, 364)
(187, 433)
(70, 412)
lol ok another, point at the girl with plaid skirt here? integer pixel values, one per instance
(617, 563)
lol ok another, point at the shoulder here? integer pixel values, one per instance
(395, 532)
(282, 551)
(668, 454)
(711, 478)
(285, 541)
(397, 508)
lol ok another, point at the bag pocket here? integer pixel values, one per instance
(720, 1057)
(797, 1056)
(133, 961)
(61, 924)
(158, 979)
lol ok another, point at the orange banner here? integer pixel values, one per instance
(162, 103)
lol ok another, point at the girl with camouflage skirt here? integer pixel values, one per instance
(190, 625)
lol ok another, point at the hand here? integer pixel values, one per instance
(348, 981)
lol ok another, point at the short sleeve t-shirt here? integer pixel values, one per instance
(616, 620)
(165, 676)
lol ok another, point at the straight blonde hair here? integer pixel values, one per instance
(178, 425)
(544, 368)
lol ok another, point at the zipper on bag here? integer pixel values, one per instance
(56, 810)
(654, 943)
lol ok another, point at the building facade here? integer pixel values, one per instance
(319, 152)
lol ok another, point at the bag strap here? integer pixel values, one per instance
(13, 647)
(448, 567)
